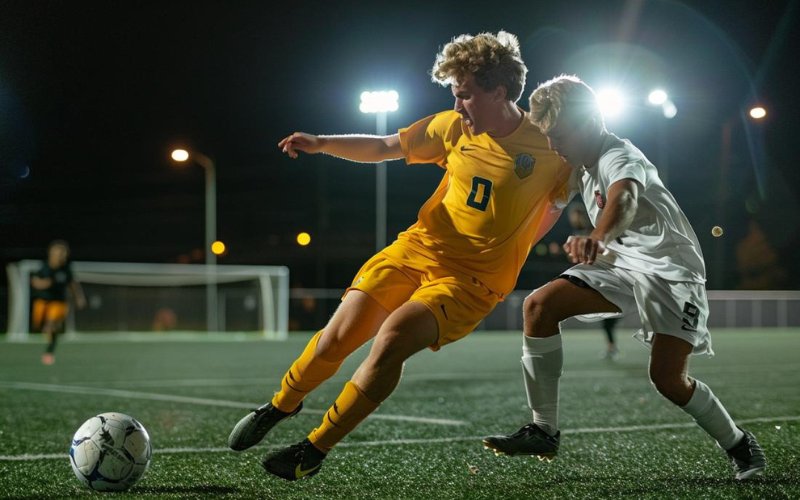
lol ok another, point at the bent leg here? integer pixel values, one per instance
(542, 354)
(50, 330)
(54, 313)
(355, 322)
(669, 367)
(558, 300)
(408, 330)
(37, 315)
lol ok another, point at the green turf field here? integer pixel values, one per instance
(619, 437)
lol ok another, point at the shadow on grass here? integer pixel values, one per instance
(207, 489)
(633, 481)
(685, 485)
(202, 490)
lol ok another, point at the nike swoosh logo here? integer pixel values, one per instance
(467, 148)
(299, 472)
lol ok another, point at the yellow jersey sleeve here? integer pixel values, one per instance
(430, 139)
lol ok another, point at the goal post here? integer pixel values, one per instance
(143, 297)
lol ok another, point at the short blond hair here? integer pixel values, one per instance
(567, 95)
(494, 60)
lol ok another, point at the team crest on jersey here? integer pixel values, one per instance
(598, 198)
(523, 165)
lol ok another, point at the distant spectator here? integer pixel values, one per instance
(164, 319)
(757, 262)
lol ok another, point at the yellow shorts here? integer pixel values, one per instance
(399, 274)
(48, 310)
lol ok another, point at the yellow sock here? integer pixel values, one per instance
(350, 408)
(305, 374)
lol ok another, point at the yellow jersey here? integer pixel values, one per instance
(495, 200)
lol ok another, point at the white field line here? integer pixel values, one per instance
(400, 442)
(611, 372)
(173, 398)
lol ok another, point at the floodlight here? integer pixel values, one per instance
(611, 102)
(180, 155)
(657, 97)
(758, 112)
(380, 101)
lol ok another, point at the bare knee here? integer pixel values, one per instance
(378, 363)
(387, 351)
(355, 322)
(674, 386)
(539, 319)
(333, 345)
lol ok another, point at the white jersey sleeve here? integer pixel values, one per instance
(660, 241)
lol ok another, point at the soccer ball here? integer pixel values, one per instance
(110, 452)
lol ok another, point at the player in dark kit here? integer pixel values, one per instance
(50, 286)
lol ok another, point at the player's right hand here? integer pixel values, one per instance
(299, 141)
(583, 249)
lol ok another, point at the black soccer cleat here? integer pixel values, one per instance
(252, 428)
(529, 440)
(747, 457)
(295, 462)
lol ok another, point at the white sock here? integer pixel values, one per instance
(542, 362)
(709, 414)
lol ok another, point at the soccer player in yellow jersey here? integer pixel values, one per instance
(442, 276)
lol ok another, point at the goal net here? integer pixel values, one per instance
(138, 297)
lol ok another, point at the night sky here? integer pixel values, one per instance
(94, 95)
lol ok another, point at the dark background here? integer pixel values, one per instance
(94, 95)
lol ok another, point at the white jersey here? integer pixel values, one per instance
(660, 241)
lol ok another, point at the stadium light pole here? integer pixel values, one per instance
(183, 155)
(380, 103)
(755, 114)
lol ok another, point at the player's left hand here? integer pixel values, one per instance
(300, 141)
(583, 249)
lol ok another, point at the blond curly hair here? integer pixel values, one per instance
(493, 59)
(567, 95)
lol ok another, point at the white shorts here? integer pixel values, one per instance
(674, 308)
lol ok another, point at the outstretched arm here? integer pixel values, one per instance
(617, 216)
(360, 148)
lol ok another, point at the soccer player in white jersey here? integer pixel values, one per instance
(641, 257)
